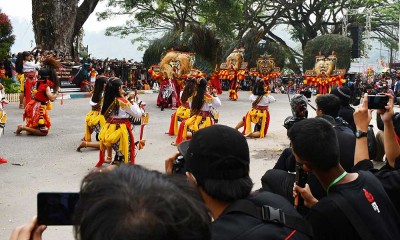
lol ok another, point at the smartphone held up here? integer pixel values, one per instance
(377, 101)
(56, 208)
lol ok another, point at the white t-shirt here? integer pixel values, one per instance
(206, 106)
(30, 66)
(265, 100)
(134, 111)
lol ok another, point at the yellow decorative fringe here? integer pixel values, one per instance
(124, 105)
(49, 105)
(111, 134)
(194, 124)
(3, 117)
(92, 119)
(254, 116)
(183, 113)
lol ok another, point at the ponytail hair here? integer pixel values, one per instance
(198, 99)
(99, 88)
(111, 93)
(19, 63)
(259, 89)
(189, 89)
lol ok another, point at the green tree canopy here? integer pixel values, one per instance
(196, 39)
(232, 20)
(325, 45)
(6, 37)
(158, 16)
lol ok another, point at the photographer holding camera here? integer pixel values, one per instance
(356, 205)
(216, 161)
(280, 179)
(131, 202)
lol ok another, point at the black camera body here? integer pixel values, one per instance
(301, 180)
(178, 166)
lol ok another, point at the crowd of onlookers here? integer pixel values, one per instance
(133, 73)
(343, 195)
(323, 186)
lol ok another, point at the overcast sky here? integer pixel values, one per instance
(100, 46)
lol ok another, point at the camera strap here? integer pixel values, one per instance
(270, 214)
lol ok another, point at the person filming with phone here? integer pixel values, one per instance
(388, 175)
(356, 205)
(131, 202)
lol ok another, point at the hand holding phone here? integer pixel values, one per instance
(56, 208)
(377, 101)
(300, 180)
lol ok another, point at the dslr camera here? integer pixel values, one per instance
(178, 167)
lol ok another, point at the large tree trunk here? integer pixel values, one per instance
(56, 23)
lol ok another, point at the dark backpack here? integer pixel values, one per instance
(271, 215)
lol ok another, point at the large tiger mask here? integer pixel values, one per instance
(234, 60)
(175, 64)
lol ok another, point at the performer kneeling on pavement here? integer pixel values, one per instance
(183, 112)
(258, 114)
(94, 120)
(35, 114)
(201, 105)
(117, 132)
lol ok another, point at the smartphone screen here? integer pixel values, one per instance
(56, 208)
(377, 101)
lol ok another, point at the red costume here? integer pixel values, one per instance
(35, 113)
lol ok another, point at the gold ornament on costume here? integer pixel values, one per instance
(175, 65)
(266, 68)
(325, 75)
(234, 66)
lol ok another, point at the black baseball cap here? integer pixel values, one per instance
(217, 152)
(344, 93)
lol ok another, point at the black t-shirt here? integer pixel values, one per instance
(389, 178)
(240, 226)
(347, 143)
(329, 222)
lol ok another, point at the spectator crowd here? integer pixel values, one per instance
(325, 185)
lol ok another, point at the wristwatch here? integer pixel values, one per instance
(360, 134)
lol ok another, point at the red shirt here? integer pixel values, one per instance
(41, 95)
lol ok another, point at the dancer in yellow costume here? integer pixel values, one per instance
(117, 132)
(183, 112)
(94, 120)
(200, 106)
(258, 114)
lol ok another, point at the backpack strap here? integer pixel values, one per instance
(352, 216)
(270, 214)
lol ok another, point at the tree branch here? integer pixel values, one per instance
(84, 11)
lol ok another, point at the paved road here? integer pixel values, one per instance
(52, 164)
